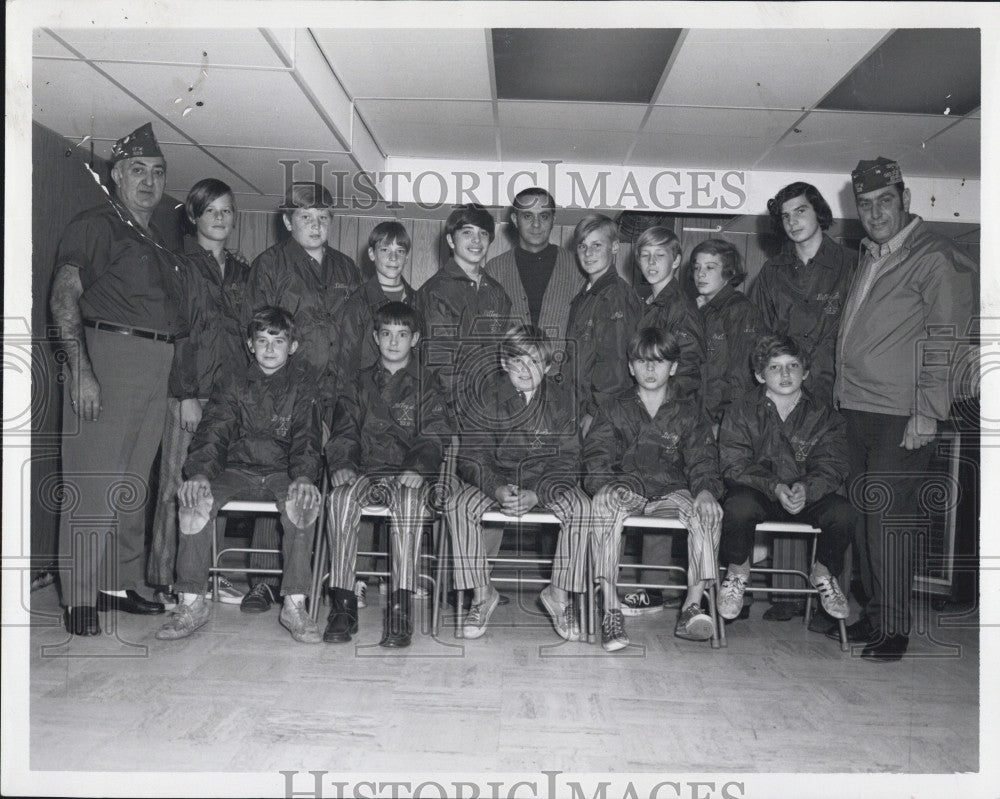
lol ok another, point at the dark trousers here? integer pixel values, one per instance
(886, 481)
(194, 551)
(745, 508)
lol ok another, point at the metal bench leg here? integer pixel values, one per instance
(439, 568)
(218, 529)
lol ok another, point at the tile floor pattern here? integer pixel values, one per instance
(240, 695)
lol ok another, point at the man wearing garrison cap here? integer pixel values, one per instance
(115, 300)
(913, 294)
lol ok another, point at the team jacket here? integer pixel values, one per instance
(805, 302)
(463, 322)
(218, 310)
(601, 321)
(758, 450)
(534, 446)
(260, 424)
(674, 311)
(656, 456)
(356, 347)
(286, 276)
(389, 423)
(732, 326)
(885, 361)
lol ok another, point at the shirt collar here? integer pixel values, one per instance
(894, 244)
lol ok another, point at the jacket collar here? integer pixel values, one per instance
(824, 255)
(720, 300)
(896, 243)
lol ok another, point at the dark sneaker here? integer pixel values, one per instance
(258, 600)
(297, 622)
(184, 620)
(694, 624)
(613, 636)
(640, 603)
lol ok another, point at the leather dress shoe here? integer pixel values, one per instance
(861, 632)
(398, 627)
(886, 648)
(342, 622)
(132, 602)
(82, 620)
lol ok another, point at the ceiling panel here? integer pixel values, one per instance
(269, 173)
(560, 63)
(584, 146)
(44, 46)
(572, 116)
(899, 78)
(699, 150)
(227, 115)
(387, 62)
(906, 129)
(384, 114)
(228, 46)
(762, 68)
(437, 141)
(187, 164)
(696, 121)
(71, 98)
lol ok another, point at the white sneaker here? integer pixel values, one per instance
(229, 594)
(731, 595)
(832, 598)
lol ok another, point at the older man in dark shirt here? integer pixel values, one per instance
(116, 302)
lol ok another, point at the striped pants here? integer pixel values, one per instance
(464, 511)
(611, 508)
(408, 512)
(173, 452)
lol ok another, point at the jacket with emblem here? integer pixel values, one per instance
(732, 326)
(673, 311)
(602, 318)
(356, 347)
(652, 456)
(218, 310)
(805, 301)
(389, 423)
(258, 423)
(535, 446)
(286, 275)
(759, 450)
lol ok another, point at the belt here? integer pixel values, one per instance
(125, 330)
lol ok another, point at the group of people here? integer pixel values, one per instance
(565, 388)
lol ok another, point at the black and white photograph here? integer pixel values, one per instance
(499, 400)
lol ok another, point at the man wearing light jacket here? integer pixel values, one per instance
(912, 295)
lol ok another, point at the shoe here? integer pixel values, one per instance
(229, 594)
(613, 636)
(694, 624)
(258, 600)
(563, 614)
(132, 602)
(479, 616)
(342, 622)
(398, 630)
(166, 597)
(861, 632)
(184, 620)
(832, 598)
(467, 602)
(297, 622)
(82, 620)
(640, 602)
(731, 592)
(886, 648)
(821, 623)
(361, 592)
(784, 611)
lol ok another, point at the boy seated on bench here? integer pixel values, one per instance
(520, 450)
(784, 458)
(386, 445)
(258, 439)
(652, 452)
